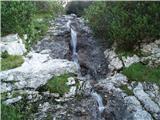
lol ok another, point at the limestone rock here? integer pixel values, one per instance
(72, 92)
(5, 87)
(135, 110)
(12, 100)
(150, 105)
(152, 53)
(153, 91)
(130, 60)
(115, 80)
(114, 62)
(36, 70)
(13, 44)
(71, 81)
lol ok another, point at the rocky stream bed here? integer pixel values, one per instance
(100, 69)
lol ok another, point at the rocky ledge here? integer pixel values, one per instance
(50, 57)
(138, 100)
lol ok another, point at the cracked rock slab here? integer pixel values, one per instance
(36, 70)
(148, 103)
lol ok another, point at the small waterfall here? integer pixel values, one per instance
(98, 98)
(74, 47)
(95, 95)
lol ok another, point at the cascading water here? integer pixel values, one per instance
(98, 98)
(74, 44)
(95, 95)
(74, 47)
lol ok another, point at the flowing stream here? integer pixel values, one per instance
(95, 95)
(98, 98)
(74, 47)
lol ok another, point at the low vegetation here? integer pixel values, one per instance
(9, 112)
(21, 17)
(56, 85)
(126, 23)
(23, 110)
(10, 61)
(140, 72)
(126, 89)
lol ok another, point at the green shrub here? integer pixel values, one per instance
(4, 54)
(19, 17)
(16, 16)
(58, 84)
(140, 72)
(126, 23)
(50, 7)
(10, 61)
(22, 110)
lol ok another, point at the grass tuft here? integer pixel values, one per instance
(22, 110)
(10, 61)
(56, 85)
(139, 72)
(126, 90)
(9, 112)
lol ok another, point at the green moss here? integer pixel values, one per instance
(10, 61)
(9, 112)
(4, 96)
(56, 85)
(126, 89)
(15, 94)
(22, 110)
(140, 72)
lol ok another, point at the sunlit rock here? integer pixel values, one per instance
(130, 60)
(36, 70)
(13, 44)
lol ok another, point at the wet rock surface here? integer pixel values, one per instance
(57, 41)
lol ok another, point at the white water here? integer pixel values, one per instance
(95, 95)
(74, 43)
(74, 47)
(98, 98)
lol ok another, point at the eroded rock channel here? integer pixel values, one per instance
(95, 91)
